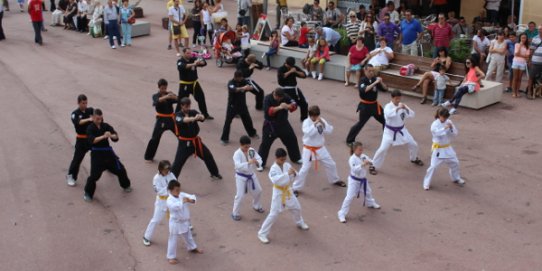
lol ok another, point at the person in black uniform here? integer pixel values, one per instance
(237, 105)
(287, 75)
(102, 156)
(246, 66)
(368, 106)
(81, 118)
(189, 141)
(188, 80)
(276, 106)
(165, 118)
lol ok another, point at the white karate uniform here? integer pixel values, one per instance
(395, 118)
(280, 178)
(159, 184)
(314, 137)
(243, 184)
(179, 224)
(445, 154)
(357, 169)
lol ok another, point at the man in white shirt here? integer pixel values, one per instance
(480, 44)
(380, 57)
(333, 16)
(492, 7)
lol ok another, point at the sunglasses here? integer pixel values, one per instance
(467, 62)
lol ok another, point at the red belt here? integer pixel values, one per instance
(313, 151)
(172, 116)
(81, 136)
(196, 141)
(378, 106)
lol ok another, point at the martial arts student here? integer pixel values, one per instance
(81, 119)
(179, 221)
(287, 80)
(237, 105)
(281, 175)
(395, 133)
(189, 141)
(246, 66)
(246, 160)
(357, 181)
(102, 156)
(368, 106)
(314, 149)
(188, 80)
(160, 184)
(443, 131)
(165, 117)
(276, 107)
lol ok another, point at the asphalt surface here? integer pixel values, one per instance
(493, 223)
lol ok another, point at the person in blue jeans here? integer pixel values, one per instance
(510, 45)
(126, 14)
(273, 47)
(111, 18)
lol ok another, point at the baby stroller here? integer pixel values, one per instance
(225, 52)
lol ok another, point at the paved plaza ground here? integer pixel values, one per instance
(493, 223)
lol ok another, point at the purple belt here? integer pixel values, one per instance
(396, 130)
(249, 179)
(363, 185)
(270, 123)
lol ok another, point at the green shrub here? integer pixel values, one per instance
(459, 50)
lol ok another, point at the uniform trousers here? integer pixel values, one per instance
(160, 210)
(162, 124)
(185, 149)
(245, 186)
(324, 159)
(299, 98)
(354, 189)
(285, 133)
(195, 89)
(386, 144)
(172, 243)
(81, 149)
(365, 114)
(231, 112)
(452, 163)
(291, 203)
(100, 163)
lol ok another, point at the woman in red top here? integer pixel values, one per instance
(36, 16)
(356, 58)
(321, 57)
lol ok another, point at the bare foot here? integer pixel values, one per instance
(197, 251)
(172, 261)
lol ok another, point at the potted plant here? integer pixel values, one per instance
(344, 42)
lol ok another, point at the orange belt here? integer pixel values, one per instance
(378, 106)
(313, 150)
(81, 136)
(196, 141)
(172, 116)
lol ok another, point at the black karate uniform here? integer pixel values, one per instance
(289, 85)
(165, 120)
(368, 107)
(81, 143)
(277, 125)
(102, 157)
(190, 144)
(189, 84)
(237, 105)
(243, 66)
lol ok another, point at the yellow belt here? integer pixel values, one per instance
(438, 146)
(193, 83)
(163, 197)
(285, 192)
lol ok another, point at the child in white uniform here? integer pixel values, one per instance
(443, 131)
(357, 181)
(281, 174)
(179, 221)
(314, 150)
(246, 159)
(159, 183)
(395, 133)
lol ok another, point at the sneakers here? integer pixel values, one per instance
(87, 197)
(216, 177)
(224, 142)
(453, 111)
(127, 190)
(113, 47)
(313, 75)
(263, 238)
(446, 104)
(307, 73)
(299, 162)
(106, 37)
(460, 182)
(374, 206)
(114, 37)
(320, 77)
(122, 45)
(235, 217)
(70, 180)
(146, 242)
(303, 226)
(263, 55)
(259, 169)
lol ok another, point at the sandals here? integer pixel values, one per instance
(415, 87)
(340, 184)
(372, 170)
(418, 162)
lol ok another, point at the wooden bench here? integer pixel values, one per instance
(295, 49)
(490, 93)
(141, 28)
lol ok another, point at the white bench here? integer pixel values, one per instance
(141, 28)
(490, 94)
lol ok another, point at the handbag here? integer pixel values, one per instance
(176, 29)
(131, 20)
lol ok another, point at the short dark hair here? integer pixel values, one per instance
(314, 110)
(164, 164)
(531, 22)
(442, 112)
(81, 97)
(185, 101)
(186, 49)
(98, 112)
(396, 93)
(303, 23)
(238, 74)
(386, 14)
(279, 92)
(409, 11)
(162, 82)
(290, 61)
(512, 34)
(245, 140)
(362, 6)
(280, 152)
(172, 184)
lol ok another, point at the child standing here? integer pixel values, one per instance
(245, 41)
(246, 159)
(273, 48)
(126, 15)
(160, 184)
(179, 221)
(357, 182)
(443, 131)
(306, 62)
(303, 35)
(440, 86)
(281, 174)
(321, 57)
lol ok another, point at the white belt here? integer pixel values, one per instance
(291, 87)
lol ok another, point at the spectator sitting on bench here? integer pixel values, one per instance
(441, 60)
(333, 16)
(471, 84)
(320, 58)
(303, 35)
(288, 35)
(380, 57)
